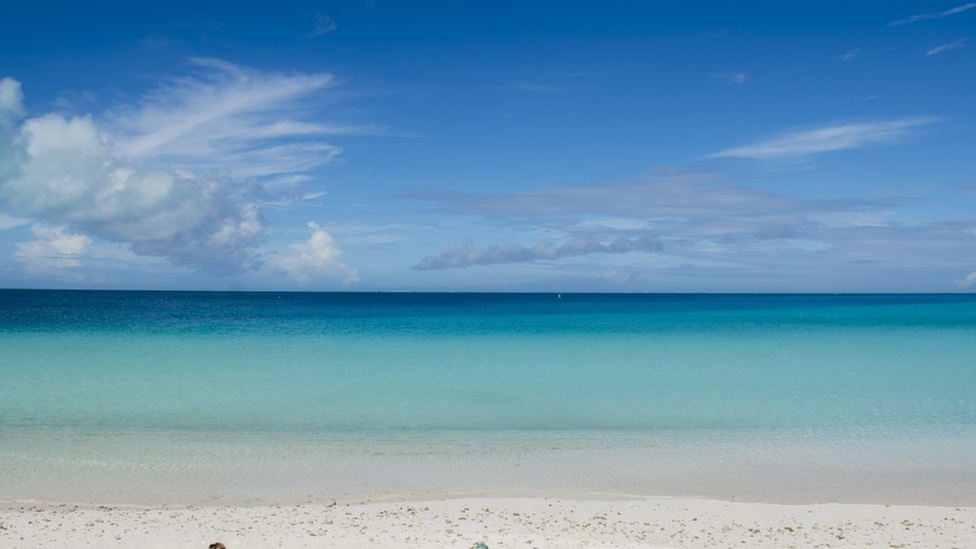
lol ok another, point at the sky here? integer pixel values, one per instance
(553, 146)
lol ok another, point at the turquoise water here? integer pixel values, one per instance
(196, 395)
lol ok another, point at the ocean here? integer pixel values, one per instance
(256, 397)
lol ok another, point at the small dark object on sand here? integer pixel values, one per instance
(217, 545)
(479, 546)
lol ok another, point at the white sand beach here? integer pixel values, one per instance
(523, 522)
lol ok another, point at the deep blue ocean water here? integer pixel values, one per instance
(231, 396)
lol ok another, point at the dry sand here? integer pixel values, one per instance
(498, 522)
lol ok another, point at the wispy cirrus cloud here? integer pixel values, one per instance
(225, 113)
(933, 15)
(671, 197)
(737, 77)
(532, 87)
(955, 44)
(835, 137)
(323, 25)
(464, 254)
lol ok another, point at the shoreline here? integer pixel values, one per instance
(168, 470)
(922, 466)
(497, 521)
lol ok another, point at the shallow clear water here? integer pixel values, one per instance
(196, 395)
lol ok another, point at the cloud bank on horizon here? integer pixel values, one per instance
(464, 254)
(633, 147)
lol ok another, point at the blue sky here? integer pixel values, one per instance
(648, 146)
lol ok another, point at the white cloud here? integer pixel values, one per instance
(225, 115)
(740, 77)
(946, 47)
(737, 77)
(317, 259)
(323, 25)
(58, 253)
(714, 235)
(8, 221)
(659, 200)
(620, 224)
(933, 15)
(11, 111)
(533, 88)
(54, 250)
(837, 220)
(370, 235)
(68, 175)
(829, 138)
(967, 281)
(11, 100)
(167, 176)
(464, 254)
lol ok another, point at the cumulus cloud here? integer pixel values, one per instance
(933, 15)
(967, 280)
(68, 175)
(829, 138)
(316, 258)
(55, 249)
(168, 175)
(464, 254)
